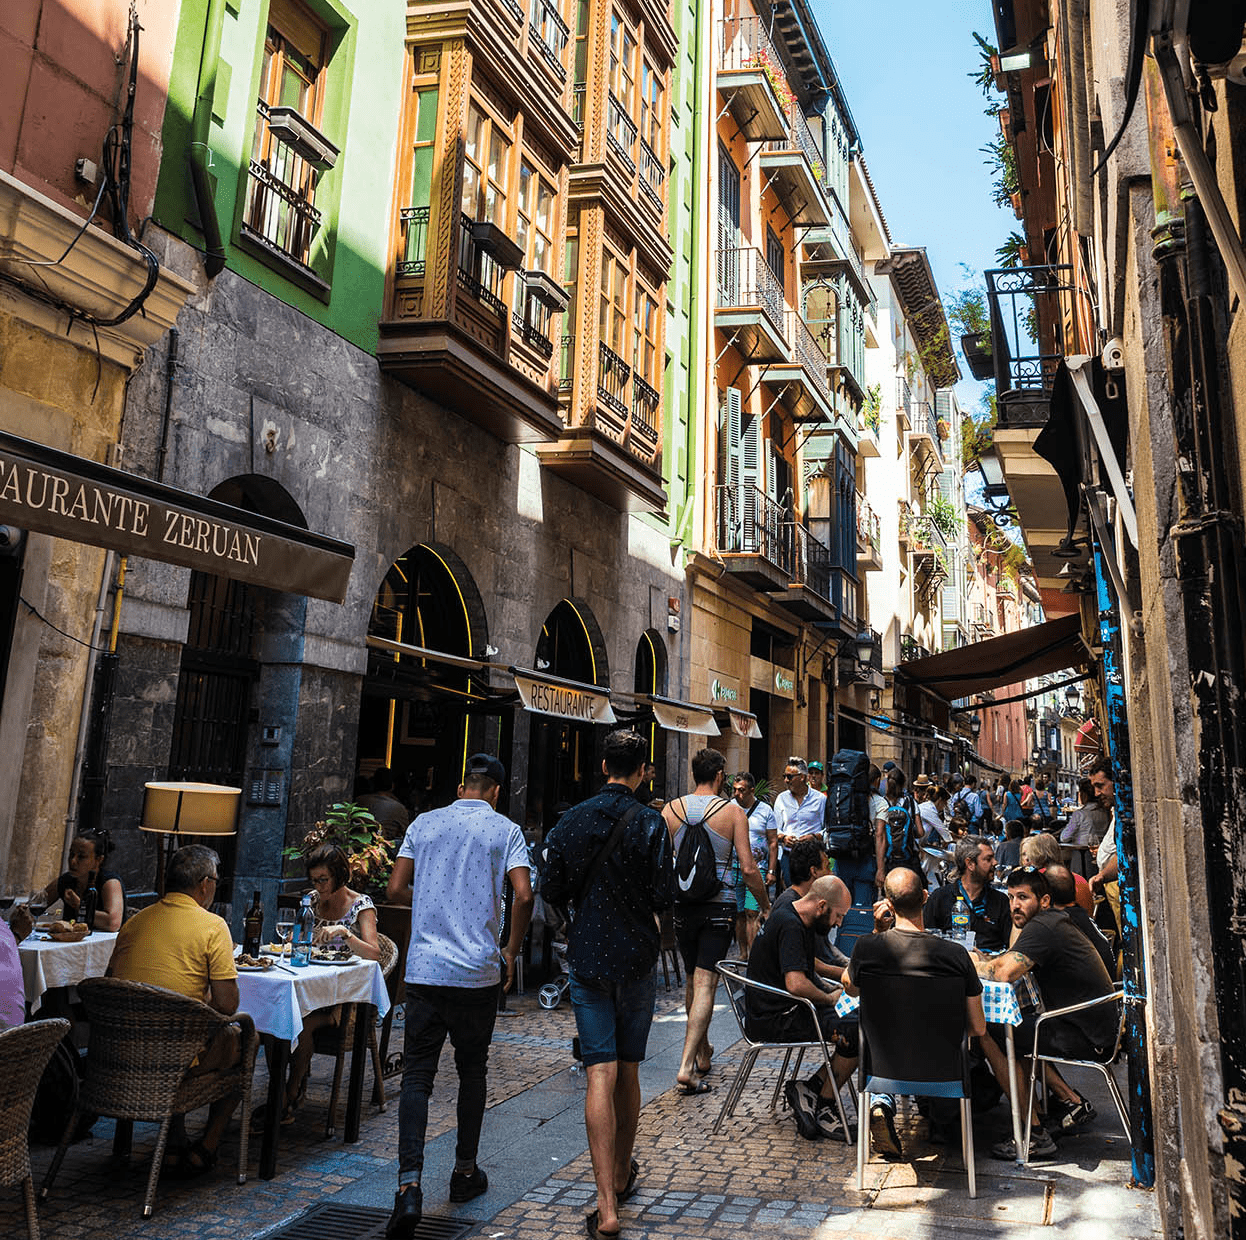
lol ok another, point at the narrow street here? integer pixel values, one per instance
(756, 1176)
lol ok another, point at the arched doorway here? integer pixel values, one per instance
(237, 708)
(418, 717)
(650, 677)
(564, 763)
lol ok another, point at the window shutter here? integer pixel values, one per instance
(730, 512)
(750, 471)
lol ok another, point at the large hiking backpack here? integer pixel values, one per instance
(849, 831)
(901, 828)
(696, 866)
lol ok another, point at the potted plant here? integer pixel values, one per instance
(968, 315)
(354, 830)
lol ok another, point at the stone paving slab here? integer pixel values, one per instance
(757, 1176)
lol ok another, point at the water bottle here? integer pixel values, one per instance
(90, 904)
(304, 929)
(960, 919)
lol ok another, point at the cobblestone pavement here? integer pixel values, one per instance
(756, 1177)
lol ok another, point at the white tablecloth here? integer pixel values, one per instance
(999, 1003)
(46, 964)
(277, 1001)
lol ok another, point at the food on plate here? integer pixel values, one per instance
(66, 927)
(252, 962)
(275, 949)
(331, 952)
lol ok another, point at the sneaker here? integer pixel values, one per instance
(804, 1108)
(828, 1122)
(1041, 1146)
(466, 1185)
(408, 1211)
(883, 1137)
(1066, 1116)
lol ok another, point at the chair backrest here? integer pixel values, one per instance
(389, 958)
(913, 1028)
(24, 1053)
(732, 973)
(143, 1039)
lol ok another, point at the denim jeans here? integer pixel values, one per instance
(858, 875)
(432, 1012)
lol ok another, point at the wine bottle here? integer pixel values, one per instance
(253, 928)
(90, 902)
(304, 930)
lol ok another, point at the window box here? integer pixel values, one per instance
(545, 289)
(976, 347)
(494, 242)
(298, 132)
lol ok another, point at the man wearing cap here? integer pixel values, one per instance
(452, 868)
(817, 776)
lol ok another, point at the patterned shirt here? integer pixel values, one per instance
(614, 934)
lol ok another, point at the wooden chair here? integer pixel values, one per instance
(144, 1044)
(24, 1053)
(336, 1040)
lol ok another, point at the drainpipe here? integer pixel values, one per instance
(199, 154)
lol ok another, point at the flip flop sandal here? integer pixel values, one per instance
(595, 1232)
(691, 1091)
(629, 1189)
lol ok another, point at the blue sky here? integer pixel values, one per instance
(904, 65)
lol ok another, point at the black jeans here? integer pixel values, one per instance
(432, 1012)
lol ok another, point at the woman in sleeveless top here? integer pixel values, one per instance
(705, 930)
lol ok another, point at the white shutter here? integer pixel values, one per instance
(730, 513)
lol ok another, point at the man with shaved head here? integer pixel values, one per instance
(783, 957)
(899, 947)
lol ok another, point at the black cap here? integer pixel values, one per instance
(485, 764)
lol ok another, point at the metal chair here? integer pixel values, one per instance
(669, 947)
(899, 1057)
(1117, 995)
(336, 1039)
(24, 1054)
(737, 985)
(140, 1065)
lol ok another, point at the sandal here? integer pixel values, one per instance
(595, 1232)
(189, 1163)
(693, 1089)
(628, 1191)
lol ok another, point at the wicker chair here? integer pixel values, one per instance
(144, 1041)
(335, 1040)
(24, 1053)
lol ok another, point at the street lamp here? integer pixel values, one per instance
(1072, 697)
(975, 725)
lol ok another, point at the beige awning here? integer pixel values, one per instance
(743, 723)
(52, 492)
(564, 699)
(684, 717)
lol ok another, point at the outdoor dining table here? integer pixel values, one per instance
(279, 998)
(47, 965)
(1001, 1007)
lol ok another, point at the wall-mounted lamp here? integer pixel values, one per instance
(975, 725)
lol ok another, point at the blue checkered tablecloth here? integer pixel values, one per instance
(999, 1003)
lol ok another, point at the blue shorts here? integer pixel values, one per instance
(613, 1018)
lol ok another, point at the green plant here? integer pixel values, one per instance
(977, 433)
(872, 408)
(943, 513)
(354, 830)
(967, 312)
(1010, 253)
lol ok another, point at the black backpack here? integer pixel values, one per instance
(900, 824)
(696, 866)
(849, 830)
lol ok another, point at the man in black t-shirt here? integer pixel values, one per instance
(989, 916)
(1064, 899)
(1068, 971)
(783, 957)
(899, 947)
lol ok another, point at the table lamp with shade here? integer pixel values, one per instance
(188, 809)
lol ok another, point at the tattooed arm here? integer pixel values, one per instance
(1006, 968)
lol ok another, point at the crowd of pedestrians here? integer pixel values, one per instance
(982, 865)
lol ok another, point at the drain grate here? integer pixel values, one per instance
(343, 1222)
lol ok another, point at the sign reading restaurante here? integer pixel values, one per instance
(563, 699)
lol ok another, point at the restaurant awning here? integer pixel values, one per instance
(678, 716)
(1088, 739)
(53, 492)
(564, 699)
(1015, 657)
(744, 723)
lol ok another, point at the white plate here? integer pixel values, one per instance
(337, 960)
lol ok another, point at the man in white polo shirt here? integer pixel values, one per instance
(452, 866)
(799, 811)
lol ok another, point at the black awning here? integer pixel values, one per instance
(53, 492)
(998, 661)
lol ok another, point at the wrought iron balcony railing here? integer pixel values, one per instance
(869, 528)
(751, 523)
(808, 352)
(744, 43)
(551, 35)
(281, 213)
(613, 377)
(621, 131)
(652, 174)
(478, 272)
(413, 238)
(532, 336)
(646, 403)
(566, 367)
(745, 279)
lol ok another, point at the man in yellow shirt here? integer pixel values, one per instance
(179, 945)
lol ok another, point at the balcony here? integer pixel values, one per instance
(621, 133)
(749, 74)
(749, 307)
(805, 389)
(549, 36)
(612, 445)
(753, 537)
(821, 591)
(472, 355)
(904, 405)
(924, 433)
(793, 167)
(652, 179)
(869, 537)
(869, 425)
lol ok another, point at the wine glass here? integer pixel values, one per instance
(285, 928)
(37, 903)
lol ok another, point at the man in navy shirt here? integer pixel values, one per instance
(989, 915)
(614, 883)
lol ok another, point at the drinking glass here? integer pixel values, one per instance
(37, 903)
(285, 929)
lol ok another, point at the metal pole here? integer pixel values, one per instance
(1141, 1135)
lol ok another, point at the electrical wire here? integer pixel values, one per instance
(40, 616)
